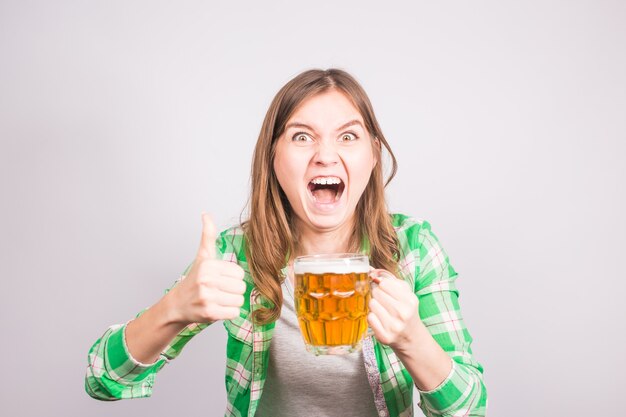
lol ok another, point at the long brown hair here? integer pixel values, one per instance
(269, 233)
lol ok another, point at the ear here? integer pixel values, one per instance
(377, 151)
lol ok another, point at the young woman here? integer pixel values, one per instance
(317, 188)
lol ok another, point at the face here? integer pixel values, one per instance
(324, 160)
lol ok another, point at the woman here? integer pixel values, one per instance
(317, 187)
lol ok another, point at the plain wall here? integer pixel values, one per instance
(121, 121)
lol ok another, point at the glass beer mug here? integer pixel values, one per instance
(331, 295)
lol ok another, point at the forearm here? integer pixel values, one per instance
(154, 337)
(446, 384)
(150, 333)
(112, 374)
(463, 387)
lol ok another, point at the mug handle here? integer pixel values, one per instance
(376, 276)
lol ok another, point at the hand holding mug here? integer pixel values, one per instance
(394, 315)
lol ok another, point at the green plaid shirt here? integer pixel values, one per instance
(112, 374)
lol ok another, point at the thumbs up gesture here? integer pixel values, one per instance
(212, 290)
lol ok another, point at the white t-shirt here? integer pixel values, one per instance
(298, 383)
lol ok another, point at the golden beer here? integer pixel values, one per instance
(331, 294)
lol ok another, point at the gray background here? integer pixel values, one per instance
(122, 120)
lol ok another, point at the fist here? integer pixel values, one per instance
(394, 314)
(213, 289)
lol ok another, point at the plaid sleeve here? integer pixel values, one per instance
(113, 374)
(463, 392)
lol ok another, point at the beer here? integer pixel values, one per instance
(331, 294)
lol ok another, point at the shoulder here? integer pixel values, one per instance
(409, 228)
(421, 252)
(416, 239)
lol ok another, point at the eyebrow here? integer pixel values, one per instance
(343, 126)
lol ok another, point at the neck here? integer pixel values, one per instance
(314, 241)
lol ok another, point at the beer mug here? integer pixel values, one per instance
(331, 295)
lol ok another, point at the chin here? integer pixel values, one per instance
(327, 221)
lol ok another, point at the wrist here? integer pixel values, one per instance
(427, 363)
(168, 312)
(413, 340)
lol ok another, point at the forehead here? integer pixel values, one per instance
(331, 106)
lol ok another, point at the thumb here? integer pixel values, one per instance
(207, 242)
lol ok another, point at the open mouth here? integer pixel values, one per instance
(326, 190)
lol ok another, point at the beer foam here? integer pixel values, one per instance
(331, 267)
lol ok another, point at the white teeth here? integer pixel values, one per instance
(326, 180)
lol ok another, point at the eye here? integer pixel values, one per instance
(301, 137)
(349, 137)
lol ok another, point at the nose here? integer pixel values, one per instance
(326, 154)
